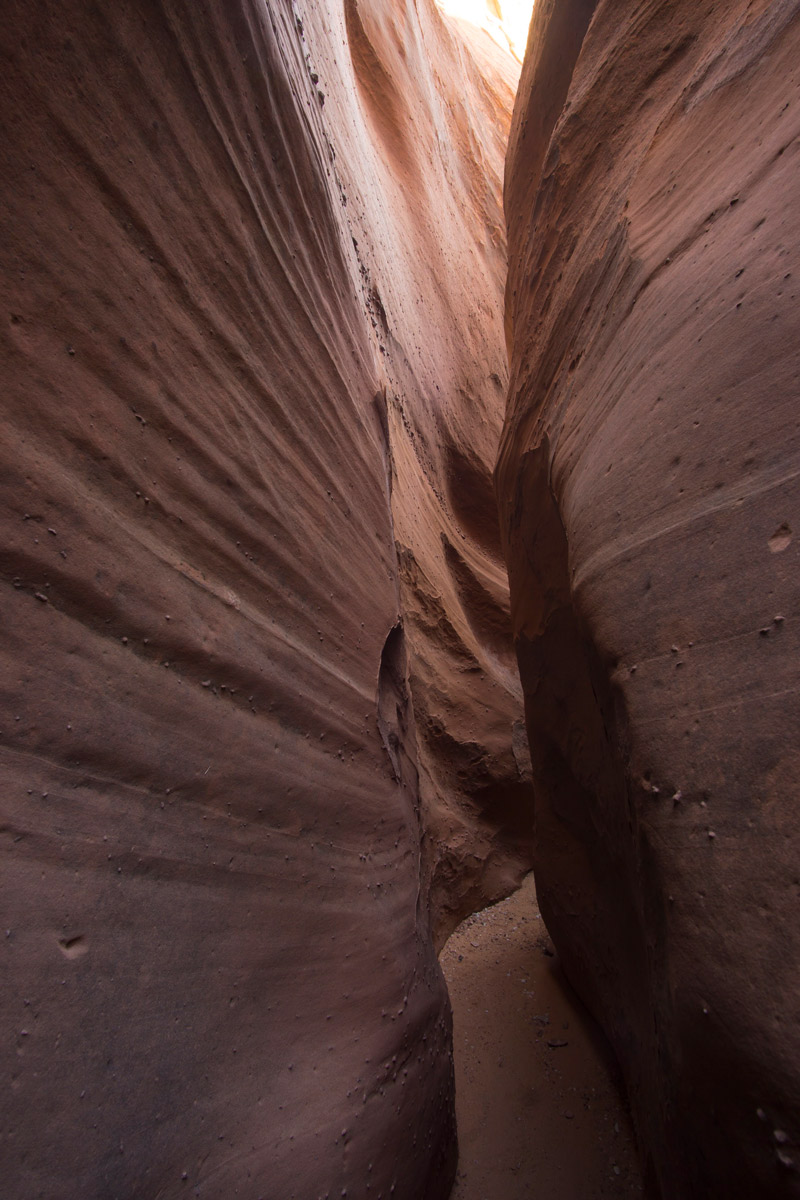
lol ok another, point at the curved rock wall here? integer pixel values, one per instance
(649, 504)
(417, 111)
(258, 696)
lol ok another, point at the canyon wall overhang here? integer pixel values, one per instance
(259, 695)
(648, 482)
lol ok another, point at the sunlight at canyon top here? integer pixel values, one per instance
(506, 21)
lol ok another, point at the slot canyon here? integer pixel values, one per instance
(400, 487)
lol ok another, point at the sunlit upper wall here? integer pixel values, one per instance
(506, 21)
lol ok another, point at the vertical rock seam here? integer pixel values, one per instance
(647, 481)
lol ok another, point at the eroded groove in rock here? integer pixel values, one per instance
(648, 490)
(220, 894)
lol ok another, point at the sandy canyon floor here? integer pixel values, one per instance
(539, 1111)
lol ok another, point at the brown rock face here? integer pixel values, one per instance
(648, 481)
(258, 694)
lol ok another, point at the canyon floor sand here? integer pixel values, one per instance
(540, 1114)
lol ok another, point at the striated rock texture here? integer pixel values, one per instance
(258, 692)
(648, 481)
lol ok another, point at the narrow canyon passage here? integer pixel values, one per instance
(539, 1110)
(390, 439)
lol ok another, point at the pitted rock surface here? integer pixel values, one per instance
(648, 483)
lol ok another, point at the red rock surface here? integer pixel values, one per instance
(258, 695)
(648, 484)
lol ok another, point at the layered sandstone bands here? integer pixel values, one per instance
(258, 694)
(649, 502)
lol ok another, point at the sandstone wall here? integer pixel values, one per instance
(648, 481)
(258, 697)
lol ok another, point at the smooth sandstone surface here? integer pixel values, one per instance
(648, 483)
(261, 725)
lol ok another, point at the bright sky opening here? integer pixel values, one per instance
(506, 21)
